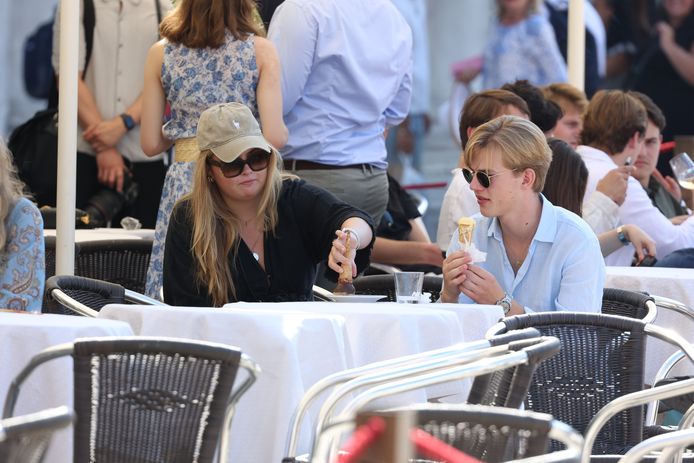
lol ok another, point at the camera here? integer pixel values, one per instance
(104, 205)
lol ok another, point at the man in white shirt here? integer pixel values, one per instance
(613, 135)
(109, 103)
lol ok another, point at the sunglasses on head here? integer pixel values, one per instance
(257, 160)
(483, 177)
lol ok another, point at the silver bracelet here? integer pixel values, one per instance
(352, 232)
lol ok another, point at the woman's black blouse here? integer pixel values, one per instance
(307, 219)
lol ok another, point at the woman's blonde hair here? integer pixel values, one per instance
(11, 189)
(216, 228)
(521, 143)
(203, 23)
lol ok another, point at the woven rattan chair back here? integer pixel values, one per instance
(123, 262)
(92, 293)
(385, 284)
(625, 303)
(601, 358)
(150, 400)
(490, 434)
(509, 387)
(24, 439)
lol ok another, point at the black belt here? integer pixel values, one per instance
(298, 164)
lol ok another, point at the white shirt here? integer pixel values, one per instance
(122, 37)
(601, 213)
(458, 201)
(346, 76)
(637, 209)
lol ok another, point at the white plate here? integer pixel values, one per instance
(358, 297)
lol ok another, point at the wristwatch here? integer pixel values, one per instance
(128, 121)
(622, 237)
(505, 303)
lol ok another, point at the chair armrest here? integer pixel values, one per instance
(675, 440)
(45, 355)
(137, 298)
(73, 304)
(628, 401)
(253, 370)
(673, 305)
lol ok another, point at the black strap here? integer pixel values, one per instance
(89, 21)
(158, 7)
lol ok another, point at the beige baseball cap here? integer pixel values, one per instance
(229, 129)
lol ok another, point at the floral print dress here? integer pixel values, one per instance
(22, 260)
(194, 80)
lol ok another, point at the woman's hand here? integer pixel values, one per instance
(453, 269)
(641, 241)
(338, 256)
(669, 183)
(666, 34)
(481, 286)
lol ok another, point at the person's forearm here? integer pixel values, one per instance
(135, 109)
(609, 242)
(88, 112)
(394, 252)
(682, 60)
(362, 229)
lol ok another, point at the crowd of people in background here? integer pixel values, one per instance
(287, 126)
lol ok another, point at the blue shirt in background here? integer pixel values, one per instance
(564, 269)
(346, 76)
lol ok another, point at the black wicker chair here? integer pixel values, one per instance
(602, 358)
(143, 399)
(123, 262)
(73, 295)
(25, 439)
(385, 284)
(628, 304)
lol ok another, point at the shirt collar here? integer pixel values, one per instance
(546, 230)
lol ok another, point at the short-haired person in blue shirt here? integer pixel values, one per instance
(539, 257)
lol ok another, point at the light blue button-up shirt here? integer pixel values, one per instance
(564, 269)
(346, 76)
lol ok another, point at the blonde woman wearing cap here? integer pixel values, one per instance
(212, 51)
(21, 242)
(248, 232)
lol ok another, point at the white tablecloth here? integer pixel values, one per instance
(107, 234)
(293, 349)
(675, 283)
(298, 343)
(22, 336)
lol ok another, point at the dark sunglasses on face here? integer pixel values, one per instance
(257, 160)
(483, 178)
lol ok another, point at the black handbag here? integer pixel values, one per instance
(34, 145)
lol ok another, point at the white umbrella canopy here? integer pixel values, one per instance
(576, 47)
(67, 137)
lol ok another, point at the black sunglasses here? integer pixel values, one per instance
(482, 177)
(257, 159)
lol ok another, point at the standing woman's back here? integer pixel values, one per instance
(211, 53)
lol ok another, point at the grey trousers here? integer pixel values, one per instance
(365, 188)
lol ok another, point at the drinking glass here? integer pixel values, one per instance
(683, 168)
(408, 287)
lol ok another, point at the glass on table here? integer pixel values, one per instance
(408, 287)
(683, 168)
